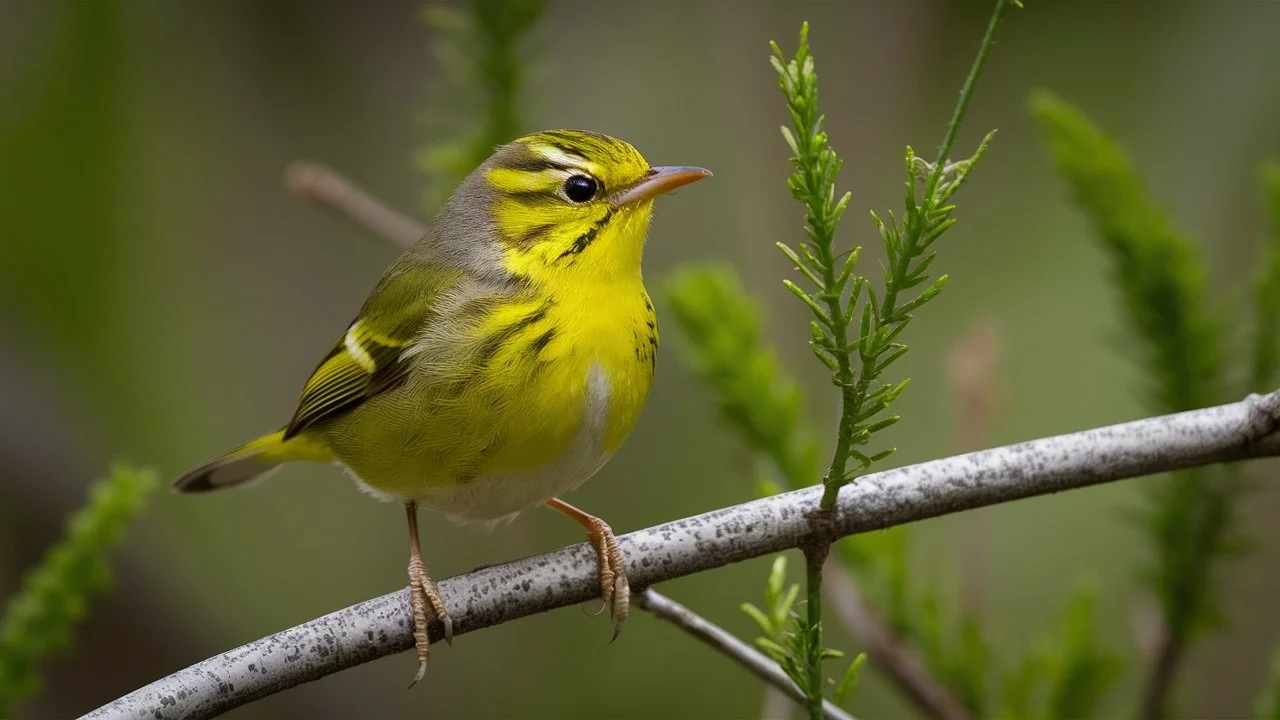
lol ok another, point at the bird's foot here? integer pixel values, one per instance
(424, 597)
(615, 590)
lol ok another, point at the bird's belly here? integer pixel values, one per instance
(508, 488)
(490, 458)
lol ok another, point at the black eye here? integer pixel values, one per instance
(580, 188)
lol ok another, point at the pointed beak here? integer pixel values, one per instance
(658, 181)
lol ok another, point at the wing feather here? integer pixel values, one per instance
(346, 377)
(369, 357)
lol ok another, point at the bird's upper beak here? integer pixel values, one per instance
(657, 181)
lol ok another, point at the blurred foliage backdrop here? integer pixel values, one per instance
(162, 298)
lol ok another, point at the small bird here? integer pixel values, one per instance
(499, 362)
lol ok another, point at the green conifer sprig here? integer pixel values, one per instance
(856, 328)
(1067, 675)
(55, 594)
(789, 640)
(1158, 270)
(1191, 517)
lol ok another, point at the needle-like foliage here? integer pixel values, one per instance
(1157, 269)
(856, 327)
(761, 403)
(1191, 516)
(1066, 676)
(784, 638)
(55, 594)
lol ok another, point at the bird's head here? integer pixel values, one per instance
(571, 203)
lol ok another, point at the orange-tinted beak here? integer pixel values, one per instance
(658, 180)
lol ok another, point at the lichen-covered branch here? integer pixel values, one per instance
(501, 593)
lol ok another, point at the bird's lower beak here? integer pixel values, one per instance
(658, 180)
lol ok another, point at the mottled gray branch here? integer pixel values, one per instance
(501, 593)
(320, 185)
(717, 637)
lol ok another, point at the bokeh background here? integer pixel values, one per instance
(162, 297)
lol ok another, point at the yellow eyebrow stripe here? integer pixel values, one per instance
(515, 181)
(553, 154)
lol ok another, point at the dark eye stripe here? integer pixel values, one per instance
(537, 165)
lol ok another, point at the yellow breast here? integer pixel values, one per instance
(577, 388)
(552, 387)
(597, 314)
(614, 327)
(606, 329)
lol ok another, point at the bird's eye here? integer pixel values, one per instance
(580, 188)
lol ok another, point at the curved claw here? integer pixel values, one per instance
(422, 672)
(621, 604)
(448, 629)
(594, 613)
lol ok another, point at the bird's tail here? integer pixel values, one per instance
(251, 461)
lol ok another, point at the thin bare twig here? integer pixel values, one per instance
(327, 188)
(737, 650)
(887, 651)
(501, 593)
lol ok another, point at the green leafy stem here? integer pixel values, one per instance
(55, 594)
(855, 329)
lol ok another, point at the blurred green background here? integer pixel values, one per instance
(162, 298)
